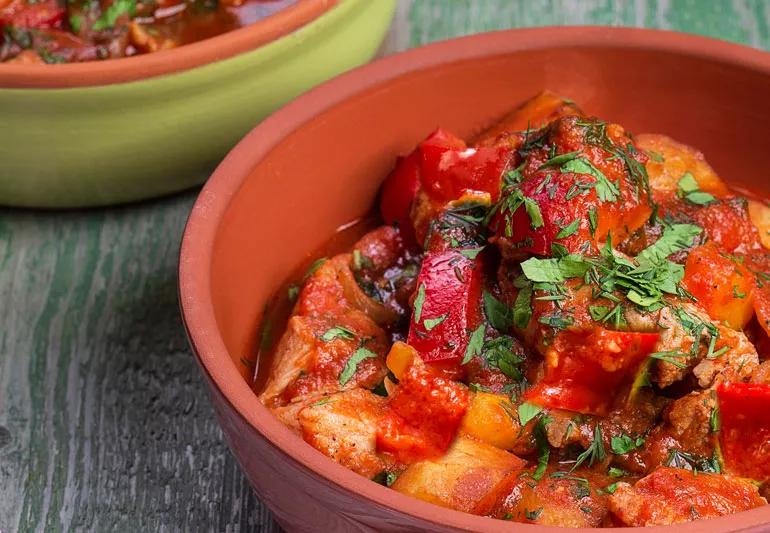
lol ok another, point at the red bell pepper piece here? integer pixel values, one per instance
(46, 14)
(447, 305)
(585, 369)
(423, 415)
(444, 168)
(449, 168)
(398, 194)
(744, 412)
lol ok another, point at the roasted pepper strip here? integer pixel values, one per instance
(446, 306)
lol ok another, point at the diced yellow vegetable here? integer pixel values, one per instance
(492, 418)
(399, 358)
(670, 160)
(464, 478)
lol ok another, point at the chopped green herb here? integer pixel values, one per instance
(616, 472)
(533, 515)
(292, 292)
(431, 323)
(690, 461)
(605, 189)
(471, 253)
(315, 265)
(323, 401)
(611, 488)
(475, 343)
(690, 191)
(500, 316)
(352, 364)
(337, 332)
(110, 15)
(544, 450)
(592, 221)
(560, 159)
(594, 453)
(625, 444)
(655, 156)
(75, 22)
(385, 478)
(527, 412)
(419, 301)
(522, 307)
(568, 230)
(555, 270)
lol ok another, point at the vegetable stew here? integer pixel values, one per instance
(557, 322)
(65, 31)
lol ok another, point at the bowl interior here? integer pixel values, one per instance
(319, 162)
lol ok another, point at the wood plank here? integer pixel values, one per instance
(104, 420)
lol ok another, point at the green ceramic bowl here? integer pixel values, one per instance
(106, 144)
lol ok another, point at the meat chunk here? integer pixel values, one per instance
(343, 427)
(558, 499)
(463, 479)
(677, 326)
(314, 351)
(673, 495)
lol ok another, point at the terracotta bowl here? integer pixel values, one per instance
(119, 130)
(319, 161)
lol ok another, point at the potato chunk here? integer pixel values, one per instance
(461, 479)
(670, 160)
(343, 427)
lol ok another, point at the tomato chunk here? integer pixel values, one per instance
(423, 416)
(745, 428)
(447, 305)
(584, 370)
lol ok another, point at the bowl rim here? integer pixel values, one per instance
(186, 57)
(200, 232)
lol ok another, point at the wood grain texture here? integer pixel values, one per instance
(104, 420)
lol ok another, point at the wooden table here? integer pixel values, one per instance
(104, 420)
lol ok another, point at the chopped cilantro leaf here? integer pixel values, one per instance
(431, 323)
(498, 314)
(337, 332)
(419, 301)
(475, 343)
(351, 365)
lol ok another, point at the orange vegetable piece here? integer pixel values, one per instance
(722, 285)
(670, 160)
(534, 113)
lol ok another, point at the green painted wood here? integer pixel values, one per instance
(104, 420)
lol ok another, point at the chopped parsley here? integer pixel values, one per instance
(625, 443)
(527, 412)
(690, 461)
(606, 190)
(475, 344)
(315, 265)
(352, 363)
(419, 301)
(110, 15)
(337, 332)
(568, 230)
(499, 315)
(690, 191)
(431, 323)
